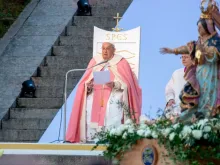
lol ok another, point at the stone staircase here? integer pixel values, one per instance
(31, 116)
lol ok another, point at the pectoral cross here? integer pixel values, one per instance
(117, 29)
(102, 96)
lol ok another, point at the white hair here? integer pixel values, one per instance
(111, 43)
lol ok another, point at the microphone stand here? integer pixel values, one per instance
(65, 93)
(65, 98)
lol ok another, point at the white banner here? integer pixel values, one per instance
(127, 44)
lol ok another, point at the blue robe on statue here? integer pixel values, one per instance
(206, 75)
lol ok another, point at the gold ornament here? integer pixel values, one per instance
(198, 54)
(205, 16)
(207, 7)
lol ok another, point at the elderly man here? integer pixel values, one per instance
(96, 106)
(174, 87)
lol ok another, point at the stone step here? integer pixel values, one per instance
(47, 71)
(108, 10)
(81, 21)
(40, 103)
(32, 113)
(51, 92)
(72, 50)
(12, 135)
(55, 81)
(25, 124)
(75, 41)
(40, 159)
(83, 31)
(67, 61)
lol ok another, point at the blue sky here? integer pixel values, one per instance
(164, 23)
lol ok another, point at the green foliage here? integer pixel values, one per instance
(9, 11)
(1, 152)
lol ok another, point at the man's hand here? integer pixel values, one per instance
(89, 87)
(110, 84)
(170, 102)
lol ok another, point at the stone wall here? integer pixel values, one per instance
(27, 42)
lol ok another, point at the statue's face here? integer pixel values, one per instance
(107, 51)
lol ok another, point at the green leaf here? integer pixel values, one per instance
(1, 152)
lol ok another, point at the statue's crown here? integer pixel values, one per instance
(207, 7)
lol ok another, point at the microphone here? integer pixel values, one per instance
(105, 61)
(65, 92)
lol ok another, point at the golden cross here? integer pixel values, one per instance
(117, 29)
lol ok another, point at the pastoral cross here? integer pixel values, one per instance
(117, 29)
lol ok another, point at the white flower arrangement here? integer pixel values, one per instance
(166, 132)
(154, 134)
(197, 134)
(186, 132)
(207, 129)
(141, 132)
(198, 130)
(147, 133)
(125, 135)
(129, 121)
(202, 122)
(129, 133)
(172, 135)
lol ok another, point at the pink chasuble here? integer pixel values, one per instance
(73, 130)
(132, 91)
